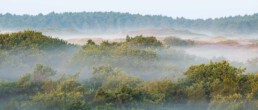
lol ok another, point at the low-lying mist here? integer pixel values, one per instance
(172, 59)
(132, 72)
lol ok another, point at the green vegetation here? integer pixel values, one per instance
(27, 40)
(210, 86)
(143, 42)
(111, 21)
(138, 74)
(135, 52)
(109, 50)
(174, 41)
(20, 50)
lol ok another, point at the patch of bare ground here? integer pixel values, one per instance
(82, 41)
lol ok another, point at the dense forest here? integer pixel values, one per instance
(104, 22)
(141, 73)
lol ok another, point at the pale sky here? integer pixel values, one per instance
(174, 8)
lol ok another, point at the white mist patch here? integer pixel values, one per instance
(228, 52)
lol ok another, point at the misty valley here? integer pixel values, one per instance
(74, 58)
(130, 72)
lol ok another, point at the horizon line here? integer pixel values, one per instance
(177, 17)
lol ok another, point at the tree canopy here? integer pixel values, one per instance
(27, 40)
(112, 21)
(207, 86)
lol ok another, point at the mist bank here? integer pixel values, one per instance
(113, 22)
(133, 73)
(204, 87)
(233, 48)
(143, 56)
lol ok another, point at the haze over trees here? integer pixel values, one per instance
(174, 41)
(208, 86)
(104, 22)
(39, 72)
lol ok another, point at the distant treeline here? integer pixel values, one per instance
(106, 21)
